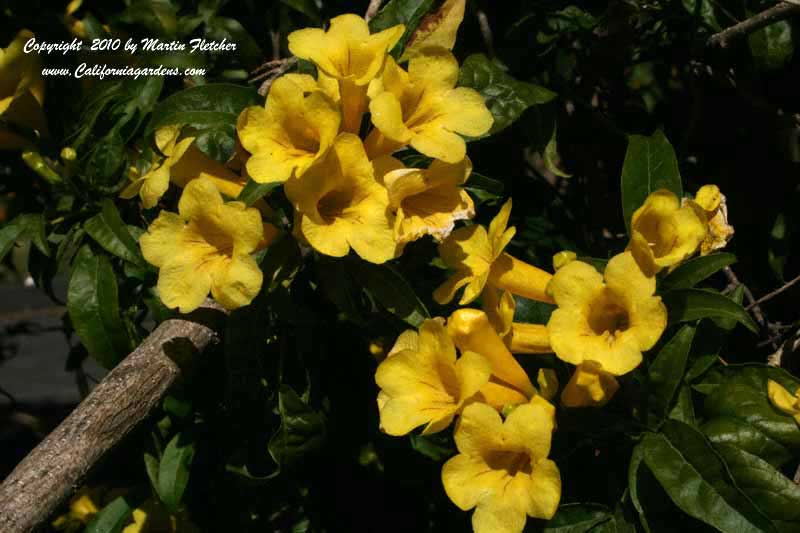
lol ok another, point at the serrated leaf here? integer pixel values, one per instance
(391, 291)
(210, 111)
(506, 97)
(110, 232)
(774, 494)
(697, 481)
(650, 164)
(695, 270)
(174, 470)
(302, 431)
(93, 306)
(667, 369)
(112, 518)
(25, 227)
(686, 305)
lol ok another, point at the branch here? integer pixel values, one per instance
(50, 473)
(774, 293)
(780, 11)
(372, 9)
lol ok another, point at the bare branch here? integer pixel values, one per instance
(372, 10)
(774, 293)
(780, 11)
(50, 474)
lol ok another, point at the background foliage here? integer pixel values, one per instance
(595, 106)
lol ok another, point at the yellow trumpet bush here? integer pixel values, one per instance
(348, 53)
(424, 108)
(784, 400)
(428, 201)
(340, 205)
(295, 129)
(477, 257)
(502, 469)
(608, 318)
(589, 386)
(521, 338)
(664, 233)
(423, 383)
(204, 247)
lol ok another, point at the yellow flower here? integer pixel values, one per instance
(21, 92)
(348, 53)
(609, 322)
(204, 247)
(589, 386)
(295, 129)
(477, 257)
(664, 232)
(82, 508)
(341, 205)
(521, 338)
(715, 206)
(437, 29)
(423, 108)
(784, 400)
(472, 331)
(422, 382)
(428, 201)
(153, 517)
(502, 469)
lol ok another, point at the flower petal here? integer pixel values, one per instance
(437, 142)
(575, 284)
(545, 489)
(473, 372)
(238, 284)
(531, 426)
(181, 284)
(159, 243)
(465, 112)
(198, 198)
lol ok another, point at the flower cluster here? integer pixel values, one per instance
(603, 323)
(347, 191)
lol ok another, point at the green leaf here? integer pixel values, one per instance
(506, 97)
(437, 447)
(540, 123)
(637, 459)
(683, 410)
(704, 9)
(23, 228)
(686, 305)
(112, 518)
(174, 469)
(738, 412)
(697, 481)
(531, 311)
(774, 494)
(302, 431)
(666, 370)
(110, 232)
(406, 12)
(306, 7)
(578, 518)
(248, 53)
(484, 188)
(772, 46)
(93, 306)
(210, 110)
(737, 296)
(254, 191)
(650, 164)
(391, 291)
(695, 270)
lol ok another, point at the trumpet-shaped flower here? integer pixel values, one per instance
(477, 256)
(348, 53)
(472, 331)
(502, 469)
(521, 338)
(204, 247)
(589, 386)
(340, 205)
(82, 508)
(715, 206)
(609, 322)
(295, 129)
(423, 383)
(21, 91)
(664, 232)
(423, 108)
(783, 399)
(428, 201)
